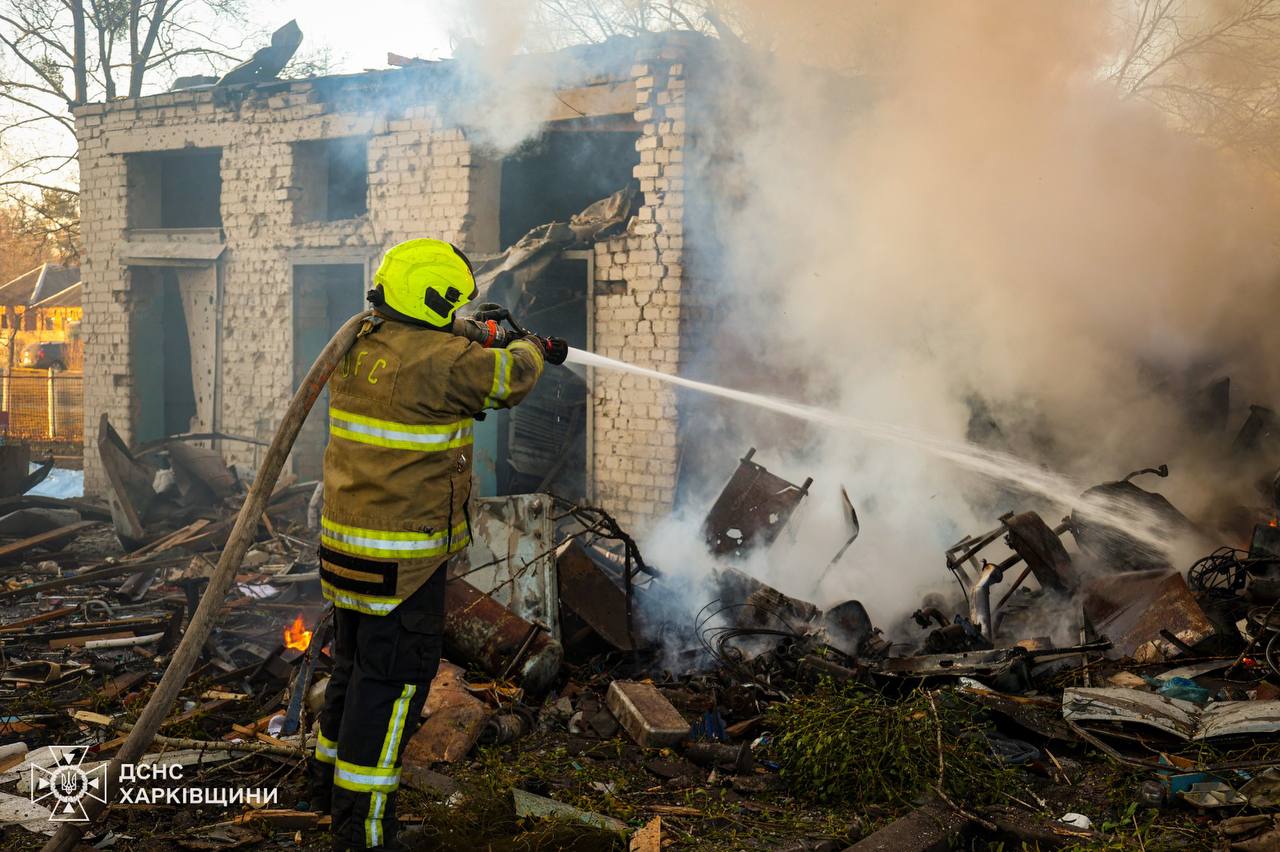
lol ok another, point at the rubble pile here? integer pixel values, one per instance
(1073, 687)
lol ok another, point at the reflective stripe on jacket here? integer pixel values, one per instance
(397, 469)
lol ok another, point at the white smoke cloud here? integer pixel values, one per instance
(504, 95)
(931, 202)
(975, 211)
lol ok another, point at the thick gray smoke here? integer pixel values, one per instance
(942, 214)
(975, 213)
(502, 98)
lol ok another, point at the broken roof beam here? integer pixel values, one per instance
(606, 99)
(267, 63)
(49, 539)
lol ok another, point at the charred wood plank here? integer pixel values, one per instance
(50, 539)
(39, 618)
(88, 577)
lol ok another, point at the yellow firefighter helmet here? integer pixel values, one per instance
(426, 280)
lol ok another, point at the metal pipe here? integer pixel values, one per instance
(126, 642)
(980, 600)
(980, 596)
(506, 727)
(973, 544)
(53, 408)
(484, 632)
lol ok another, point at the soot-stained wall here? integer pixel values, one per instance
(426, 177)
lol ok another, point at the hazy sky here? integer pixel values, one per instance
(361, 32)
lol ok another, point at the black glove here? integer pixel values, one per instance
(486, 311)
(554, 349)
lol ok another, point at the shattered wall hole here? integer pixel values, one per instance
(175, 189)
(330, 179)
(570, 166)
(545, 444)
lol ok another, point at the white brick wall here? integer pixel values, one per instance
(639, 283)
(421, 183)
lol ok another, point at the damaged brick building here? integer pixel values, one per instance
(229, 230)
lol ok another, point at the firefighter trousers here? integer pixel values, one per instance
(383, 666)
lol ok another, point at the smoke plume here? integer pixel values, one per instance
(949, 216)
(962, 208)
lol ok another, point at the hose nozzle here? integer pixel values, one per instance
(487, 333)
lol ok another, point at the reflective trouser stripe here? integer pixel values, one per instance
(401, 436)
(387, 760)
(368, 604)
(501, 387)
(391, 544)
(366, 779)
(373, 823)
(326, 749)
(391, 744)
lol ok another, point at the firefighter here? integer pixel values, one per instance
(397, 478)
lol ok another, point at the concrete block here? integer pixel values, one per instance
(932, 826)
(646, 714)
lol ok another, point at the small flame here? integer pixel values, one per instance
(1273, 522)
(296, 635)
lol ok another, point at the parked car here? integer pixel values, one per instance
(43, 356)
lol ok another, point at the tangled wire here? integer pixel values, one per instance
(717, 638)
(1226, 570)
(599, 523)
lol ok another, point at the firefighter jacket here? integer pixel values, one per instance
(397, 469)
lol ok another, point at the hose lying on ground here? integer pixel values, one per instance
(242, 536)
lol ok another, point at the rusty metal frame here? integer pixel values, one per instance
(512, 556)
(1032, 542)
(755, 502)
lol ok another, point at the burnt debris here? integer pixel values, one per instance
(1059, 650)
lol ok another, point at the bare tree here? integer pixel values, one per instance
(58, 54)
(1214, 67)
(26, 241)
(561, 23)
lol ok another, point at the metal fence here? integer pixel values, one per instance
(42, 406)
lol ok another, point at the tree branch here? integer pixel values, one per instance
(55, 85)
(141, 58)
(42, 186)
(61, 118)
(79, 53)
(105, 44)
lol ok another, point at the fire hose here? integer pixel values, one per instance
(483, 327)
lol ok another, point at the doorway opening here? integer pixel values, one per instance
(173, 341)
(324, 297)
